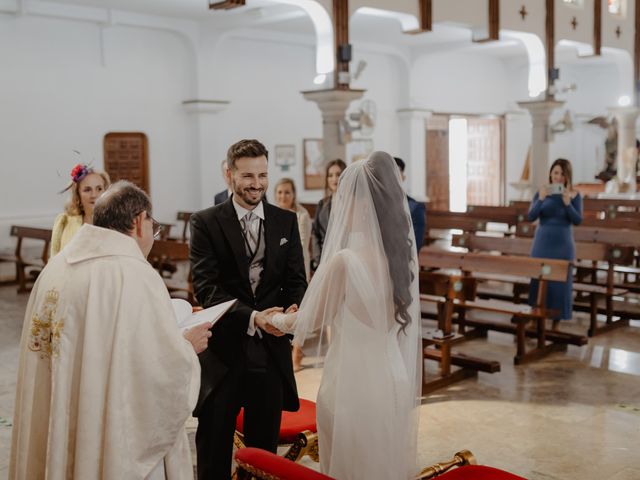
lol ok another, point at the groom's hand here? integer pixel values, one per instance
(262, 321)
(293, 308)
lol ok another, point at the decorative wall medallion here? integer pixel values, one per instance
(523, 12)
(574, 23)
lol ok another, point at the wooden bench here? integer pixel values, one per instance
(435, 287)
(471, 263)
(610, 205)
(166, 253)
(591, 252)
(590, 204)
(446, 221)
(184, 217)
(611, 236)
(508, 215)
(24, 263)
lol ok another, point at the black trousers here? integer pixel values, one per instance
(259, 391)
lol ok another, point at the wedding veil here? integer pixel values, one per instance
(366, 291)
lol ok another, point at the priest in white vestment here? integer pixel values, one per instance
(106, 379)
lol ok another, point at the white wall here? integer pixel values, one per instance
(460, 82)
(56, 95)
(263, 81)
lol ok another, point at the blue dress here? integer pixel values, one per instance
(554, 239)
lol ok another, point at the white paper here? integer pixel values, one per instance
(186, 319)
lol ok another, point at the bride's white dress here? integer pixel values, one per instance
(364, 402)
(366, 285)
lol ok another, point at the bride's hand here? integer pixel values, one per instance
(284, 322)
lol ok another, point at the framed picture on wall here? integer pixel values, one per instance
(313, 163)
(359, 149)
(285, 156)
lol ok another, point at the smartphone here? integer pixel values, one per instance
(555, 189)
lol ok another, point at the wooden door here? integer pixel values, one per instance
(125, 158)
(438, 162)
(485, 172)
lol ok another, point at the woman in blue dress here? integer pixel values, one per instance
(558, 207)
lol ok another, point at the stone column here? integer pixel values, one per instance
(413, 149)
(540, 112)
(627, 155)
(206, 124)
(333, 105)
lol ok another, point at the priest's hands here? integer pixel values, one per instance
(199, 336)
(263, 321)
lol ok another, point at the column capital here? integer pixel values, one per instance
(333, 103)
(541, 108)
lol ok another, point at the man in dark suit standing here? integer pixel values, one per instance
(223, 195)
(416, 209)
(247, 249)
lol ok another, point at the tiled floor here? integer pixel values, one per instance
(573, 415)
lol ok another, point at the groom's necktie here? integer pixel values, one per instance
(250, 236)
(254, 246)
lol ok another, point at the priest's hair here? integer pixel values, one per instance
(119, 205)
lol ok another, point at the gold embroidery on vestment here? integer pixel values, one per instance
(45, 328)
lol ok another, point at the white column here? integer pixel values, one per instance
(333, 105)
(627, 154)
(413, 149)
(540, 112)
(207, 121)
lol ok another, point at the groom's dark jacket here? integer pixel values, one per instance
(220, 270)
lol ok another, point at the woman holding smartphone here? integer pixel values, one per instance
(558, 207)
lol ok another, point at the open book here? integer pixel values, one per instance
(187, 319)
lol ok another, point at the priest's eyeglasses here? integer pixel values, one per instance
(155, 225)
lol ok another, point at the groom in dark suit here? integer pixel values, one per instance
(250, 250)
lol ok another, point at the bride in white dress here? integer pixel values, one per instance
(366, 291)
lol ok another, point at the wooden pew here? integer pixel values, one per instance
(471, 263)
(593, 203)
(590, 252)
(632, 223)
(446, 221)
(508, 215)
(610, 236)
(597, 207)
(436, 286)
(184, 217)
(610, 205)
(23, 263)
(166, 252)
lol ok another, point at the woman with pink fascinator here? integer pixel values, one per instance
(86, 186)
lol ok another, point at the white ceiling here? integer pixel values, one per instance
(270, 16)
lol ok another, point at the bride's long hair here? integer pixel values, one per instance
(388, 200)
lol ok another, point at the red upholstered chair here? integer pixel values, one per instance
(263, 465)
(297, 429)
(478, 472)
